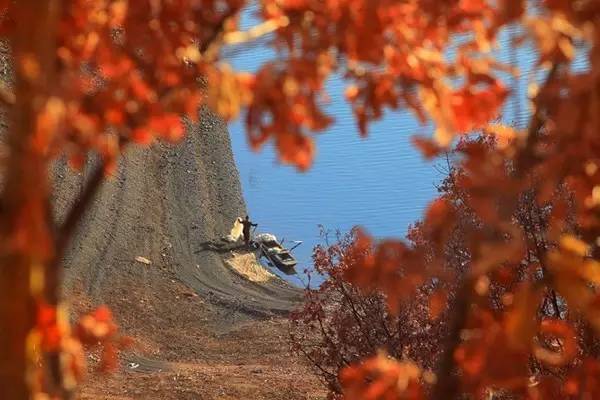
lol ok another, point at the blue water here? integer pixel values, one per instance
(380, 183)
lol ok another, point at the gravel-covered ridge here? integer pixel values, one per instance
(162, 204)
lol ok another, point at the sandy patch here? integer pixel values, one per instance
(248, 266)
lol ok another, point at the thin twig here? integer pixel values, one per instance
(357, 318)
(80, 206)
(256, 32)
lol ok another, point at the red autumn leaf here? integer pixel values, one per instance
(381, 377)
(472, 6)
(520, 321)
(142, 136)
(140, 89)
(103, 314)
(474, 108)
(296, 149)
(114, 116)
(428, 148)
(46, 314)
(47, 326)
(169, 126)
(351, 93)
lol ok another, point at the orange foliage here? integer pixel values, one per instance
(94, 76)
(382, 378)
(53, 335)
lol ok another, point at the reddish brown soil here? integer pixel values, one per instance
(177, 355)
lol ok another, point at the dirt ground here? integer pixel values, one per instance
(202, 329)
(177, 355)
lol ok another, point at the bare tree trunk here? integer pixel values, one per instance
(26, 243)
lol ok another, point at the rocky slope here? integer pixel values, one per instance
(202, 330)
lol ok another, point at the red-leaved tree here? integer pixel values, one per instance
(508, 331)
(97, 76)
(340, 324)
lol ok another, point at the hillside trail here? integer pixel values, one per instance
(201, 329)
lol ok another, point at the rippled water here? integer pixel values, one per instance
(380, 182)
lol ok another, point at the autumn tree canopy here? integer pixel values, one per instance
(339, 324)
(101, 75)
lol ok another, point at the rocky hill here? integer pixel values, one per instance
(202, 329)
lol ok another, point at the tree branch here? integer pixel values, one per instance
(53, 273)
(355, 314)
(81, 205)
(446, 386)
(218, 30)
(257, 31)
(526, 157)
(65, 231)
